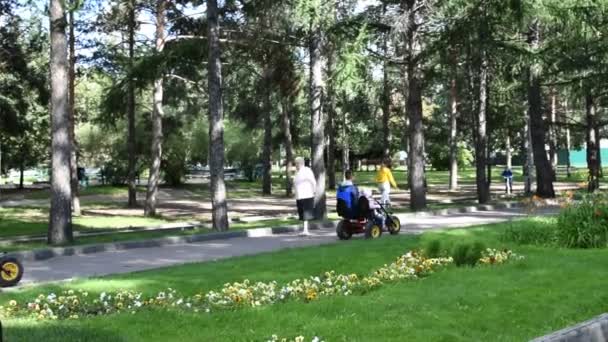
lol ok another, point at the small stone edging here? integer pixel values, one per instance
(48, 253)
(593, 330)
(464, 210)
(179, 226)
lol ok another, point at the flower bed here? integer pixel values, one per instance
(493, 256)
(76, 304)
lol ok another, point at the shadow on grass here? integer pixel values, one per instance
(10, 226)
(66, 331)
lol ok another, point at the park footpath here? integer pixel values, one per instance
(70, 263)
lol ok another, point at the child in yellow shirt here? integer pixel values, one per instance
(385, 179)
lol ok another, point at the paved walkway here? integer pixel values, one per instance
(105, 263)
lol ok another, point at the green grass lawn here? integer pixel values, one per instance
(108, 190)
(34, 221)
(90, 224)
(550, 289)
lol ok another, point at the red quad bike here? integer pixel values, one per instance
(368, 225)
(11, 271)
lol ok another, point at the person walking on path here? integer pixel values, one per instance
(385, 180)
(507, 175)
(304, 184)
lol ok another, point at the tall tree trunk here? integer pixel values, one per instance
(157, 118)
(529, 162)
(288, 142)
(489, 161)
(72, 118)
(406, 143)
(508, 153)
(414, 112)
(331, 121)
(592, 144)
(131, 111)
(568, 146)
(472, 88)
(599, 151)
(60, 225)
(267, 150)
(216, 120)
(481, 144)
(553, 135)
(318, 119)
(386, 100)
(418, 191)
(568, 143)
(345, 146)
(21, 171)
(1, 166)
(453, 126)
(544, 176)
(331, 153)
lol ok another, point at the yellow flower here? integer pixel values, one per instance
(12, 303)
(311, 295)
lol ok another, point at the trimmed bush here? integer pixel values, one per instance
(433, 249)
(467, 254)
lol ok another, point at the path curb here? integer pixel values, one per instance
(179, 226)
(593, 330)
(464, 210)
(48, 253)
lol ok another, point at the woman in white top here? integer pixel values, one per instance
(304, 184)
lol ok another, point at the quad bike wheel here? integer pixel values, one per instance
(11, 272)
(394, 225)
(342, 233)
(373, 231)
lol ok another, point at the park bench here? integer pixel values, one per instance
(201, 173)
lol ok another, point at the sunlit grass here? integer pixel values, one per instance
(549, 290)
